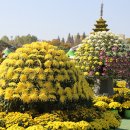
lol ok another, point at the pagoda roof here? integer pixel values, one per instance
(101, 20)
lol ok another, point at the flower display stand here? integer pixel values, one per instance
(106, 86)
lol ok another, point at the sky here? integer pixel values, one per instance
(48, 19)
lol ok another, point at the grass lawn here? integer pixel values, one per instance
(125, 125)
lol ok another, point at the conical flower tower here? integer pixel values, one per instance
(101, 23)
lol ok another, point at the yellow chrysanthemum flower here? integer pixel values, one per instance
(21, 85)
(38, 70)
(41, 77)
(48, 64)
(16, 96)
(23, 56)
(62, 99)
(43, 97)
(57, 85)
(52, 97)
(100, 63)
(121, 84)
(1, 92)
(15, 76)
(55, 63)
(60, 91)
(9, 93)
(13, 56)
(48, 70)
(28, 70)
(29, 85)
(86, 73)
(23, 77)
(48, 84)
(18, 70)
(31, 76)
(25, 97)
(2, 83)
(12, 84)
(19, 63)
(48, 57)
(50, 78)
(10, 73)
(40, 83)
(97, 73)
(59, 78)
(61, 63)
(33, 96)
(29, 62)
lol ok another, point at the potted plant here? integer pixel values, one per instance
(115, 107)
(126, 107)
(101, 104)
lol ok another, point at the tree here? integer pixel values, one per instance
(4, 45)
(63, 40)
(72, 41)
(20, 40)
(128, 40)
(68, 38)
(83, 36)
(77, 39)
(5, 39)
(58, 38)
(55, 42)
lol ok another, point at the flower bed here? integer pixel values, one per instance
(24, 121)
(40, 89)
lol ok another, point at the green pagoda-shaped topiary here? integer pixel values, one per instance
(39, 72)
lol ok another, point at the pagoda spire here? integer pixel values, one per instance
(101, 12)
(101, 23)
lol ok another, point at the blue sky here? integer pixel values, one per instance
(48, 19)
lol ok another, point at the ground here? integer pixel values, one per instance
(125, 125)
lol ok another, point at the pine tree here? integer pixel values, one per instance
(69, 38)
(72, 41)
(63, 40)
(58, 38)
(77, 39)
(83, 36)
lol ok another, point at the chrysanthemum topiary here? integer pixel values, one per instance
(39, 72)
(104, 54)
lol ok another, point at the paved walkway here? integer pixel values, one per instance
(125, 125)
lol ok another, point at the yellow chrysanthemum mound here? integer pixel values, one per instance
(41, 72)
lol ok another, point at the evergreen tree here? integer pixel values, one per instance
(83, 36)
(77, 39)
(58, 38)
(69, 38)
(63, 40)
(72, 40)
